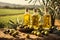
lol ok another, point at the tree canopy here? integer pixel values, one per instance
(51, 6)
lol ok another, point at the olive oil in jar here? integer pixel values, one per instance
(35, 19)
(47, 21)
(26, 18)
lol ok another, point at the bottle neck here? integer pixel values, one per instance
(46, 13)
(35, 12)
(26, 12)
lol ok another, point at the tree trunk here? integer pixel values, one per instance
(52, 20)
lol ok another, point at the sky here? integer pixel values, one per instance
(20, 2)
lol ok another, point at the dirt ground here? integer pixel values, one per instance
(22, 36)
(57, 23)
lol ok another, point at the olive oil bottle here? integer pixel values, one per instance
(26, 18)
(47, 20)
(35, 19)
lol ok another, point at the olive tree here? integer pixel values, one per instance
(51, 6)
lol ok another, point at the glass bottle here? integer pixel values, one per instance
(47, 20)
(26, 18)
(35, 19)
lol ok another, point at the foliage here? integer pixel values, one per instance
(11, 11)
(51, 6)
(2, 25)
(13, 24)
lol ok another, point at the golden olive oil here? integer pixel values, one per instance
(26, 18)
(35, 19)
(47, 21)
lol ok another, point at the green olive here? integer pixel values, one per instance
(46, 32)
(38, 33)
(25, 27)
(6, 31)
(32, 32)
(42, 31)
(35, 32)
(11, 31)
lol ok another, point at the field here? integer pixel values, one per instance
(12, 11)
(11, 14)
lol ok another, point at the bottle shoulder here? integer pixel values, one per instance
(47, 15)
(27, 14)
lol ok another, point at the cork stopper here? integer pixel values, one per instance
(35, 10)
(26, 9)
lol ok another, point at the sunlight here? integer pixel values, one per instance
(20, 2)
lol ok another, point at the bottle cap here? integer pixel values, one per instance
(26, 9)
(35, 10)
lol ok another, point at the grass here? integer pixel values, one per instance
(5, 19)
(11, 11)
